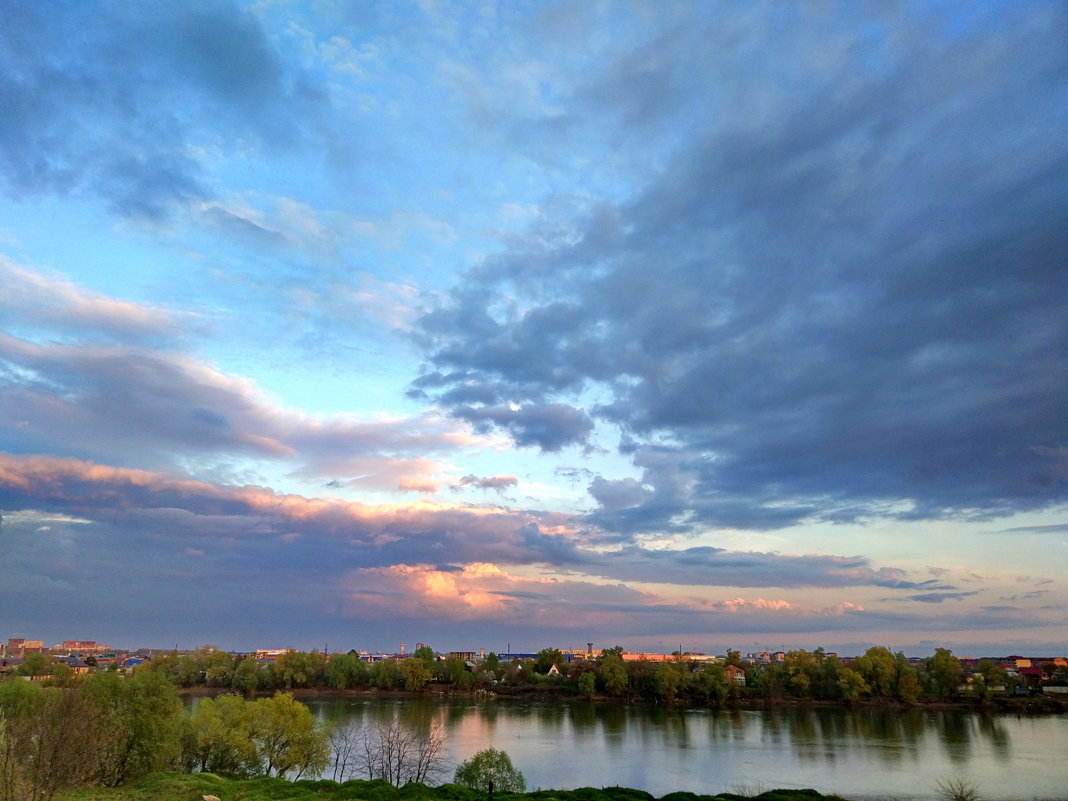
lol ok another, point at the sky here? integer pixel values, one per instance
(515, 325)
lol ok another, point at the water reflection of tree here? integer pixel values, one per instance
(955, 732)
(614, 719)
(994, 730)
(728, 725)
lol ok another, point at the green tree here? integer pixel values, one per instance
(49, 739)
(219, 669)
(547, 657)
(615, 650)
(943, 673)
(426, 653)
(299, 669)
(711, 684)
(490, 771)
(879, 670)
(851, 684)
(288, 738)
(35, 665)
(908, 685)
(144, 717)
(614, 675)
(416, 675)
(385, 675)
(587, 685)
(801, 672)
(987, 676)
(187, 672)
(219, 739)
(345, 671)
(247, 677)
(668, 680)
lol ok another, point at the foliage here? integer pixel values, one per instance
(35, 665)
(547, 657)
(219, 737)
(39, 751)
(490, 770)
(186, 787)
(416, 674)
(943, 673)
(287, 737)
(246, 677)
(144, 718)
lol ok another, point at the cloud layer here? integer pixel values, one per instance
(633, 324)
(836, 299)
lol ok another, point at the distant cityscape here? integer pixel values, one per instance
(82, 656)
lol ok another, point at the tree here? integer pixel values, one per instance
(416, 675)
(547, 657)
(35, 665)
(144, 717)
(299, 668)
(851, 684)
(988, 676)
(615, 650)
(879, 670)
(187, 672)
(219, 669)
(288, 738)
(801, 672)
(345, 671)
(668, 678)
(246, 677)
(587, 685)
(490, 770)
(399, 755)
(426, 653)
(943, 673)
(614, 675)
(49, 739)
(220, 734)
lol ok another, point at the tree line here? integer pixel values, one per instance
(107, 729)
(879, 675)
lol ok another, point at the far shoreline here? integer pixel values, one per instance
(1031, 705)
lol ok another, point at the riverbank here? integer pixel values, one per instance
(1026, 705)
(194, 786)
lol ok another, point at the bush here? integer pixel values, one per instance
(490, 770)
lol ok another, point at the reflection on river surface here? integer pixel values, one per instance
(858, 753)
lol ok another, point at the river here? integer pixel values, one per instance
(866, 753)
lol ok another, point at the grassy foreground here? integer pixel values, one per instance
(191, 786)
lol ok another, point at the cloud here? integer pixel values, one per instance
(115, 386)
(498, 483)
(551, 427)
(54, 304)
(801, 316)
(119, 100)
(939, 597)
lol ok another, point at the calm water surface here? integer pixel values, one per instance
(860, 753)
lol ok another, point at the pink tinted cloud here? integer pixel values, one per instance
(156, 408)
(33, 299)
(422, 529)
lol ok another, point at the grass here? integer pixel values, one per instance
(192, 786)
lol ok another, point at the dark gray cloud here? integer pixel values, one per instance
(549, 426)
(110, 98)
(839, 297)
(939, 597)
(498, 483)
